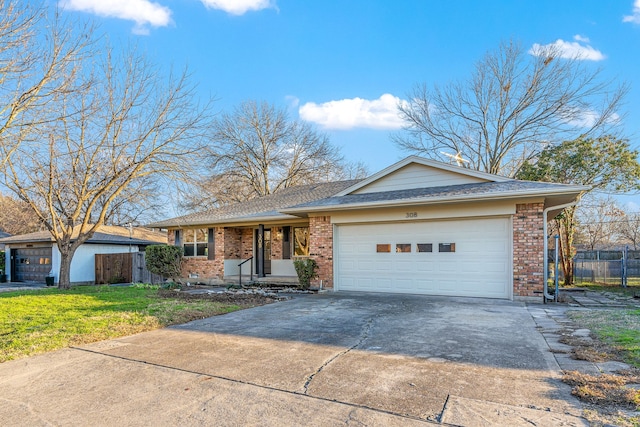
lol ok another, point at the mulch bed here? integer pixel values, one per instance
(242, 299)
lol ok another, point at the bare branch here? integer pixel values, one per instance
(513, 105)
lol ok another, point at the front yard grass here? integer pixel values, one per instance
(33, 322)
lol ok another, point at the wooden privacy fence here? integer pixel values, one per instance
(124, 268)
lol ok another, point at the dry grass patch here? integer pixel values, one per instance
(607, 390)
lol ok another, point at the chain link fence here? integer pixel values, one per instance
(607, 267)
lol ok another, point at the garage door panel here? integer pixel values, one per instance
(479, 266)
(448, 267)
(424, 266)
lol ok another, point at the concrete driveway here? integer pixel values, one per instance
(331, 359)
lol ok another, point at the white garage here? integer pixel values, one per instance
(465, 257)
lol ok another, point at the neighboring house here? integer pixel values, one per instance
(31, 257)
(3, 235)
(419, 226)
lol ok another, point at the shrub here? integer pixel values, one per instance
(164, 260)
(306, 270)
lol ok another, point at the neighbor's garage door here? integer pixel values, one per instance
(30, 265)
(461, 258)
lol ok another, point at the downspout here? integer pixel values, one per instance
(546, 248)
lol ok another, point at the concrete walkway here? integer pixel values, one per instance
(553, 323)
(332, 359)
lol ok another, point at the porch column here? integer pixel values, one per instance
(260, 251)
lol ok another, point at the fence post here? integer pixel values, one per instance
(623, 267)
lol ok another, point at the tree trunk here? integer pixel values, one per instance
(66, 256)
(566, 230)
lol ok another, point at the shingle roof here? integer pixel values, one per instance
(106, 234)
(262, 207)
(443, 193)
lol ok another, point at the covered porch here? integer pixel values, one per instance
(233, 254)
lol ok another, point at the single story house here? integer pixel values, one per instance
(419, 226)
(34, 256)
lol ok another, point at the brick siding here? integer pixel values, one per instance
(528, 247)
(232, 243)
(276, 242)
(321, 247)
(246, 246)
(203, 267)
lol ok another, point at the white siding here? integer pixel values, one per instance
(417, 176)
(83, 265)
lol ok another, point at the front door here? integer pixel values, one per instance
(263, 255)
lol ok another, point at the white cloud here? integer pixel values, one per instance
(237, 7)
(577, 49)
(635, 16)
(381, 113)
(144, 13)
(580, 38)
(588, 118)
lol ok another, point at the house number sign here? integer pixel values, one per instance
(411, 215)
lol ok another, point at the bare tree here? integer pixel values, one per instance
(123, 124)
(630, 230)
(17, 217)
(38, 65)
(598, 222)
(257, 150)
(512, 106)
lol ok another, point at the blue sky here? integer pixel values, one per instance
(344, 65)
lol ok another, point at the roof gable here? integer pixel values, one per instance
(417, 172)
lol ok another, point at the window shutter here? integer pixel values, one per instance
(177, 238)
(211, 244)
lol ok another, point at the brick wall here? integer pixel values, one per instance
(321, 247)
(232, 243)
(528, 247)
(203, 267)
(276, 242)
(247, 243)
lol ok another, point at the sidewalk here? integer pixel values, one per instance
(553, 323)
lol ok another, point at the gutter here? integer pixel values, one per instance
(546, 249)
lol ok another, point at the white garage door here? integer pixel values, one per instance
(461, 258)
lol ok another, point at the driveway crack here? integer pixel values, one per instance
(364, 334)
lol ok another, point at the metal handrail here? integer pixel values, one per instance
(240, 274)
